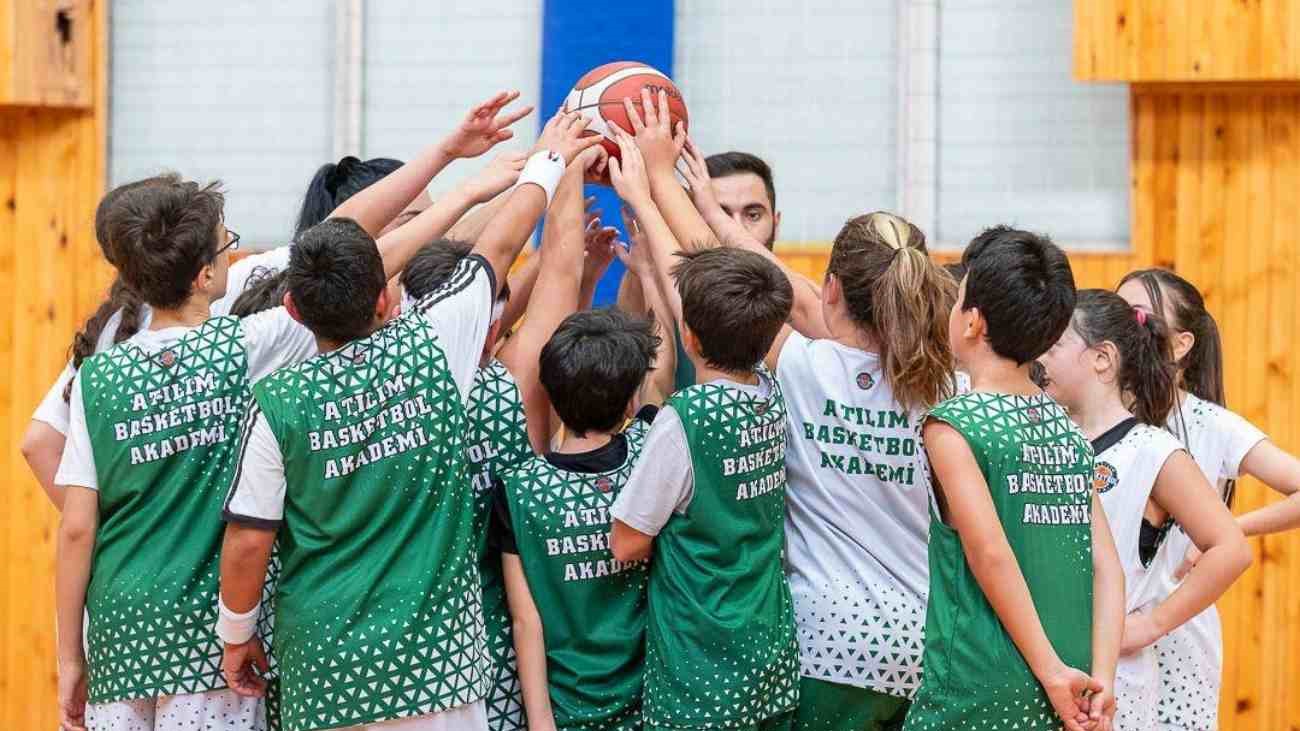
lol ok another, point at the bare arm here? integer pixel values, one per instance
(633, 186)
(1182, 492)
(972, 514)
(377, 205)
(522, 281)
(245, 553)
(658, 385)
(77, 532)
(1107, 615)
(530, 646)
(628, 543)
(554, 298)
(1279, 470)
(42, 447)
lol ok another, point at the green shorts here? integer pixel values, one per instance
(776, 723)
(825, 706)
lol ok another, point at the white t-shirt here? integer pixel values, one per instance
(1124, 475)
(857, 518)
(460, 313)
(663, 481)
(54, 410)
(272, 339)
(1191, 657)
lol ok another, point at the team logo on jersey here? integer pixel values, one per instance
(760, 408)
(359, 357)
(865, 381)
(1104, 477)
(167, 358)
(604, 484)
(1033, 414)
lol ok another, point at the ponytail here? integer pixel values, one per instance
(895, 293)
(334, 183)
(85, 343)
(1147, 375)
(1201, 368)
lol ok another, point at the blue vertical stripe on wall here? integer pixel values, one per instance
(579, 36)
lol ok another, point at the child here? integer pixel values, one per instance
(579, 615)
(357, 457)
(1225, 446)
(1025, 586)
(1114, 354)
(151, 446)
(506, 401)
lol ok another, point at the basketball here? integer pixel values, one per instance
(600, 92)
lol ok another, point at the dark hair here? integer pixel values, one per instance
(955, 269)
(434, 264)
(1023, 286)
(593, 365)
(899, 296)
(120, 299)
(735, 301)
(335, 278)
(161, 232)
(1202, 366)
(734, 163)
(263, 291)
(334, 183)
(1147, 374)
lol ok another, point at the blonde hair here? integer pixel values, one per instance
(901, 298)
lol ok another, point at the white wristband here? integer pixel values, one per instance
(544, 168)
(233, 627)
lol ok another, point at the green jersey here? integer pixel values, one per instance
(1039, 469)
(591, 606)
(720, 643)
(358, 457)
(162, 427)
(497, 439)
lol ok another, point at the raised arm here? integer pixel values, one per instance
(484, 127)
(505, 235)
(658, 385)
(555, 296)
(970, 510)
(633, 185)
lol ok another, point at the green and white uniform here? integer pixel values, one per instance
(1039, 470)
(497, 440)
(857, 522)
(1129, 459)
(554, 514)
(153, 426)
(720, 643)
(357, 457)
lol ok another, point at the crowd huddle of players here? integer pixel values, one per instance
(394, 476)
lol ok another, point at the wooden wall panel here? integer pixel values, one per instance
(1178, 40)
(51, 176)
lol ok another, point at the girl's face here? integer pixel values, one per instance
(1070, 367)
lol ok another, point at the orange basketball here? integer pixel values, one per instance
(600, 92)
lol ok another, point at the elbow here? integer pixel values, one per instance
(991, 559)
(626, 553)
(74, 531)
(526, 623)
(33, 445)
(1239, 556)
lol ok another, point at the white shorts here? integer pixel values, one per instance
(216, 709)
(469, 717)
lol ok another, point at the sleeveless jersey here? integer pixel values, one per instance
(378, 611)
(497, 440)
(163, 428)
(856, 518)
(592, 606)
(1039, 470)
(1191, 657)
(1124, 475)
(720, 643)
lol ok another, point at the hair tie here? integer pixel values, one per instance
(1141, 316)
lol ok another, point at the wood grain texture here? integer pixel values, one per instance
(1178, 40)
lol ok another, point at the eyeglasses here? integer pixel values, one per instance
(231, 245)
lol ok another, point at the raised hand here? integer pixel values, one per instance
(563, 136)
(628, 173)
(696, 173)
(659, 143)
(484, 127)
(495, 177)
(599, 243)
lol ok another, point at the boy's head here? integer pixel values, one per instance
(433, 265)
(743, 186)
(166, 238)
(734, 303)
(593, 366)
(336, 281)
(1017, 295)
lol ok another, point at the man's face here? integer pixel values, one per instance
(744, 197)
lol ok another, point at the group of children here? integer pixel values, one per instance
(384, 478)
